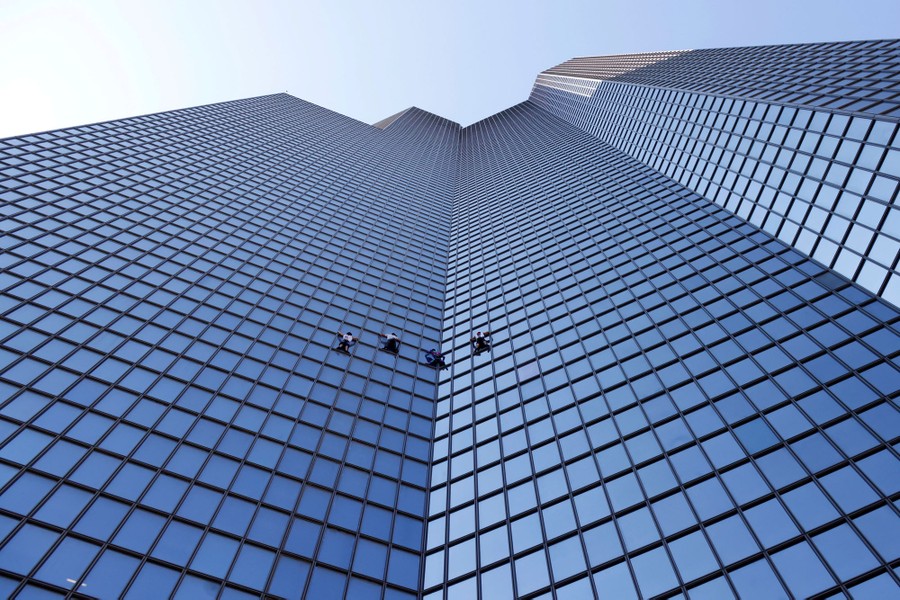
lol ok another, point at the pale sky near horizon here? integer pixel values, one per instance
(67, 63)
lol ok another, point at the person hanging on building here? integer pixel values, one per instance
(391, 342)
(346, 341)
(435, 359)
(481, 342)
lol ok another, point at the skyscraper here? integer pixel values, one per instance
(677, 400)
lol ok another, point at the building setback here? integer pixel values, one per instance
(688, 265)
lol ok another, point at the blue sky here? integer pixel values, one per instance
(74, 62)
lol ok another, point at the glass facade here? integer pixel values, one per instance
(680, 400)
(676, 403)
(174, 420)
(799, 140)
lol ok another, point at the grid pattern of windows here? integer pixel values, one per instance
(173, 419)
(678, 402)
(855, 77)
(675, 402)
(824, 182)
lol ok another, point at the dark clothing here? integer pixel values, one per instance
(434, 358)
(391, 343)
(347, 340)
(481, 342)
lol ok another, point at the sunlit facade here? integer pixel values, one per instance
(798, 140)
(691, 390)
